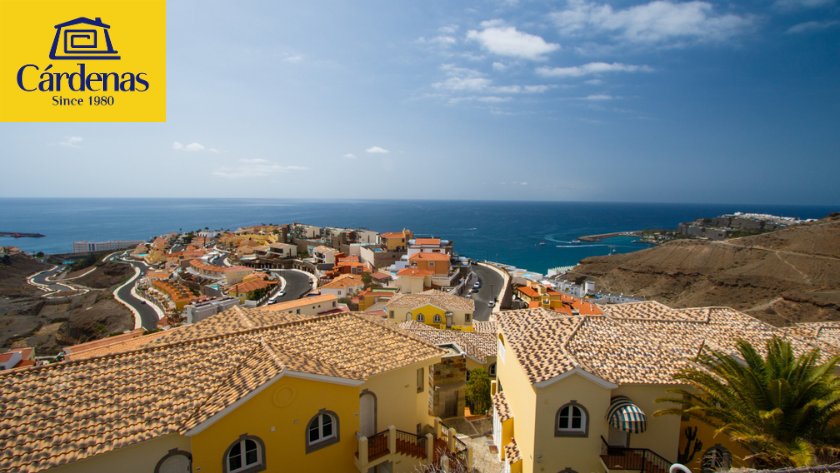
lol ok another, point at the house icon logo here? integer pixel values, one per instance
(82, 38)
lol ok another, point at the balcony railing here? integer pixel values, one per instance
(411, 444)
(378, 445)
(636, 459)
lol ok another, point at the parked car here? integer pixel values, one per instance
(490, 304)
(281, 294)
(474, 289)
(468, 296)
(477, 284)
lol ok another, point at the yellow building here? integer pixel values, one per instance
(434, 308)
(413, 280)
(576, 393)
(242, 391)
(396, 241)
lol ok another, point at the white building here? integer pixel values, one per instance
(112, 245)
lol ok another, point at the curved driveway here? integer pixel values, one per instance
(298, 284)
(148, 316)
(53, 286)
(491, 288)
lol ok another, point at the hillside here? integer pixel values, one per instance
(787, 276)
(27, 319)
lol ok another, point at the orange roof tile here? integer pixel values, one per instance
(429, 256)
(427, 241)
(393, 235)
(414, 272)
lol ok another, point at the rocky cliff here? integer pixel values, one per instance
(787, 276)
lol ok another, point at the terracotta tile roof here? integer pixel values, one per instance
(429, 257)
(306, 301)
(24, 352)
(343, 281)
(512, 453)
(103, 341)
(217, 269)
(414, 272)
(502, 407)
(643, 343)
(68, 411)
(477, 345)
(393, 235)
(250, 286)
(435, 298)
(528, 291)
(414, 325)
(484, 327)
(117, 346)
(427, 241)
(380, 275)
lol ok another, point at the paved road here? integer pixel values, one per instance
(57, 287)
(148, 316)
(298, 284)
(491, 288)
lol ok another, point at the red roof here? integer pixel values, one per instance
(528, 291)
(393, 235)
(427, 241)
(414, 272)
(429, 257)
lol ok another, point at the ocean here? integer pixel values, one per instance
(509, 232)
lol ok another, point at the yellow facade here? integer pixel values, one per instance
(461, 320)
(279, 416)
(140, 458)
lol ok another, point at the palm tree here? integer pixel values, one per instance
(783, 408)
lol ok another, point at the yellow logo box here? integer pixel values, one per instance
(82, 61)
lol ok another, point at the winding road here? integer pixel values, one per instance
(491, 288)
(298, 284)
(148, 316)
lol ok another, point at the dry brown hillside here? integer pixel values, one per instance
(791, 275)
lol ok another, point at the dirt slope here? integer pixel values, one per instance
(27, 319)
(791, 275)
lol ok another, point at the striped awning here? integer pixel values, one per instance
(626, 416)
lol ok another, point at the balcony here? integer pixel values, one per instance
(444, 451)
(633, 459)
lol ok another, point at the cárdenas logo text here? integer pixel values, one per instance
(79, 40)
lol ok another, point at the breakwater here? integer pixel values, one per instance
(591, 238)
(21, 235)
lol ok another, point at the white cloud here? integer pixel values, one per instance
(349, 156)
(507, 41)
(597, 97)
(253, 168)
(213, 150)
(591, 68)
(192, 147)
(811, 26)
(377, 149)
(801, 4)
(535, 89)
(471, 81)
(656, 21)
(498, 66)
(448, 29)
(483, 99)
(71, 142)
(523, 183)
(294, 58)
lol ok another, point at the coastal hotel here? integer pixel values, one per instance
(250, 390)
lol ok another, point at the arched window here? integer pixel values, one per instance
(408, 316)
(246, 455)
(421, 318)
(175, 461)
(437, 318)
(492, 370)
(322, 431)
(716, 458)
(572, 420)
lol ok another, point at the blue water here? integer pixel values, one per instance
(502, 231)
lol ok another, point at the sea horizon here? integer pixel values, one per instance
(534, 235)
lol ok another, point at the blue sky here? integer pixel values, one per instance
(570, 100)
